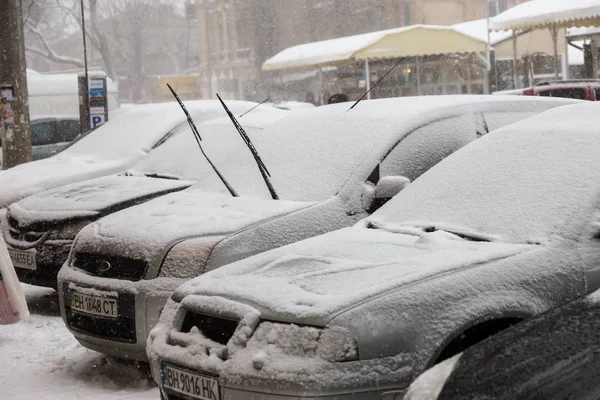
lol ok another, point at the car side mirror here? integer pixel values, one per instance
(389, 186)
(386, 188)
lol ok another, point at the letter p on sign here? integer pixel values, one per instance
(97, 120)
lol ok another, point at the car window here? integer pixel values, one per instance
(571, 93)
(432, 143)
(597, 94)
(43, 133)
(497, 120)
(68, 130)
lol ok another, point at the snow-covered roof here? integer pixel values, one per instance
(583, 32)
(522, 183)
(540, 13)
(57, 84)
(479, 29)
(415, 40)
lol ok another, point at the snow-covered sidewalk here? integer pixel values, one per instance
(42, 360)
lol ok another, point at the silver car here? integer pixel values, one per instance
(330, 168)
(40, 229)
(501, 230)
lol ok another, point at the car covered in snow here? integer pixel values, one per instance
(40, 229)
(330, 167)
(503, 229)
(111, 148)
(555, 355)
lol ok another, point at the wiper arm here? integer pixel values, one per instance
(261, 166)
(262, 102)
(198, 140)
(159, 176)
(419, 229)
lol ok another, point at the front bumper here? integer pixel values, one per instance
(50, 256)
(247, 394)
(140, 305)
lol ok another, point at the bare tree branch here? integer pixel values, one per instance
(50, 54)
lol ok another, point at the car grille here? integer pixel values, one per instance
(217, 329)
(111, 266)
(121, 329)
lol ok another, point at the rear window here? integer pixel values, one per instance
(43, 133)
(571, 93)
(68, 130)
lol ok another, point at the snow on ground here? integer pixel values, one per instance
(42, 360)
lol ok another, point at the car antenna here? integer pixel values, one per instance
(198, 140)
(376, 83)
(261, 166)
(262, 102)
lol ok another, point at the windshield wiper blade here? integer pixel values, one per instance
(198, 140)
(261, 166)
(160, 176)
(419, 229)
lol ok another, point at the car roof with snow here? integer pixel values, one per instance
(316, 150)
(521, 183)
(536, 174)
(111, 148)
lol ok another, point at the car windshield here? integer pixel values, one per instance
(519, 184)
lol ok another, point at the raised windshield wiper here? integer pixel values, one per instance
(419, 229)
(261, 166)
(198, 140)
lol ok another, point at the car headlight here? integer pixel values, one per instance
(334, 344)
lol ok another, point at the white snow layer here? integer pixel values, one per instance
(110, 149)
(144, 231)
(313, 279)
(521, 183)
(546, 12)
(178, 158)
(42, 360)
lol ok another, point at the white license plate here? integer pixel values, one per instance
(104, 306)
(189, 383)
(22, 259)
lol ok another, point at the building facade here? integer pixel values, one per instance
(237, 36)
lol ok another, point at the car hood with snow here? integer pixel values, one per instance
(147, 231)
(112, 148)
(89, 199)
(174, 165)
(311, 282)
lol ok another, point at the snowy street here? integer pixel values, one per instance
(42, 351)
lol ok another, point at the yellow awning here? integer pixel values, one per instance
(411, 41)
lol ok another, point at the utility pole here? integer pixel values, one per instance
(14, 119)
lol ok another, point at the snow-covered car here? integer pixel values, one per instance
(110, 149)
(40, 229)
(330, 167)
(552, 356)
(503, 229)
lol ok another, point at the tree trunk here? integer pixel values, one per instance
(16, 135)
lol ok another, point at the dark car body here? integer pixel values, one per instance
(553, 356)
(51, 135)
